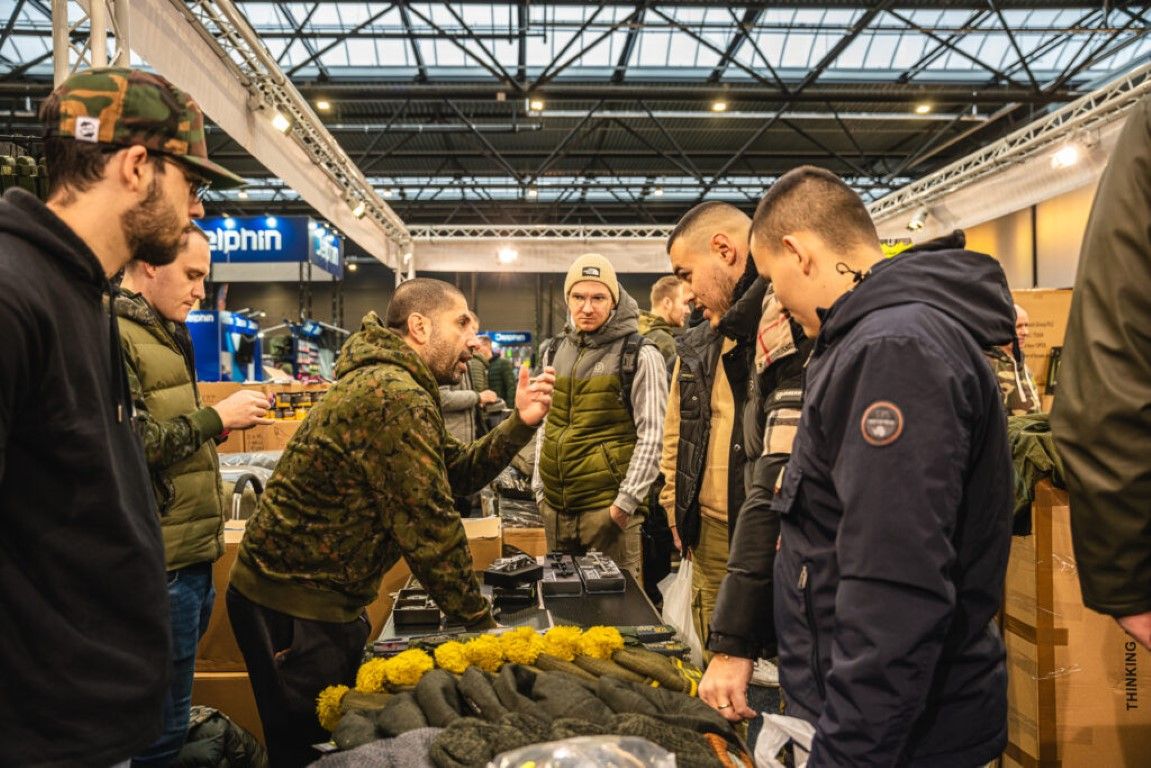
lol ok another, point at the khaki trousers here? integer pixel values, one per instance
(709, 560)
(596, 530)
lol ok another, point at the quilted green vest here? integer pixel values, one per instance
(589, 436)
(188, 492)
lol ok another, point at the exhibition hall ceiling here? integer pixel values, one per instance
(613, 112)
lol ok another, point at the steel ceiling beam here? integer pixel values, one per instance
(417, 53)
(298, 35)
(339, 39)
(629, 44)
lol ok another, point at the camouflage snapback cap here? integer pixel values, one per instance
(124, 107)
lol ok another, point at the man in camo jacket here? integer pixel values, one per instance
(368, 479)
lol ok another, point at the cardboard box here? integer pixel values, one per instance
(530, 540)
(1079, 689)
(212, 392)
(231, 693)
(1049, 310)
(217, 651)
(270, 437)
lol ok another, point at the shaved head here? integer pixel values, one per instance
(707, 218)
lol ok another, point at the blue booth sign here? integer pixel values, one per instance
(273, 239)
(504, 338)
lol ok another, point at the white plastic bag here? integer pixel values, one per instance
(677, 610)
(779, 730)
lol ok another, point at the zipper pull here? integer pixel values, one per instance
(803, 577)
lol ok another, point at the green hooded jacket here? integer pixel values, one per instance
(367, 479)
(176, 432)
(661, 332)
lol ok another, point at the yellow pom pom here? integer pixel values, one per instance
(372, 675)
(328, 706)
(562, 642)
(452, 657)
(521, 645)
(408, 667)
(485, 653)
(600, 642)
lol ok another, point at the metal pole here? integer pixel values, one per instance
(98, 33)
(61, 50)
(120, 23)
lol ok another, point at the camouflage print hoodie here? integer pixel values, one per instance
(367, 479)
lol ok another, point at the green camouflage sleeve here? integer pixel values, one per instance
(471, 467)
(167, 442)
(405, 467)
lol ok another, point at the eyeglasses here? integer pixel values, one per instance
(198, 186)
(597, 300)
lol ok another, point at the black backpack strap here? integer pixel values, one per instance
(628, 365)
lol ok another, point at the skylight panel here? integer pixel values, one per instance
(393, 53)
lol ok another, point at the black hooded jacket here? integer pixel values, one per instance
(83, 600)
(896, 520)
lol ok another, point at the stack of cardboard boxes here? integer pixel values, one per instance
(291, 403)
(1079, 689)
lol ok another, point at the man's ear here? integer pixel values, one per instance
(132, 169)
(419, 327)
(724, 247)
(798, 248)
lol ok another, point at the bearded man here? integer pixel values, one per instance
(367, 479)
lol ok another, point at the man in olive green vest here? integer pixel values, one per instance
(599, 449)
(178, 444)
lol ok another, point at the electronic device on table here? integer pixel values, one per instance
(599, 573)
(560, 577)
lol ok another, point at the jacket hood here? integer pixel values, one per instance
(375, 344)
(621, 322)
(649, 321)
(23, 215)
(969, 287)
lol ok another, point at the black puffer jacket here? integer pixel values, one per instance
(742, 624)
(698, 350)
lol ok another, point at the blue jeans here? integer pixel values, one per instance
(190, 596)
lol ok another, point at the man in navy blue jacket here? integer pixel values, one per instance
(895, 507)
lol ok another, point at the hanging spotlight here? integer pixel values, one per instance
(359, 210)
(657, 192)
(918, 219)
(719, 105)
(531, 193)
(281, 123)
(323, 105)
(922, 109)
(242, 194)
(536, 105)
(353, 266)
(1065, 157)
(507, 255)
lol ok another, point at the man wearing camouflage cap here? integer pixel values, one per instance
(85, 650)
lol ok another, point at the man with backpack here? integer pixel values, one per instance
(598, 452)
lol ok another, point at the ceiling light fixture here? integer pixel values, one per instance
(918, 219)
(922, 109)
(359, 210)
(531, 193)
(657, 192)
(323, 105)
(719, 105)
(242, 194)
(352, 266)
(281, 123)
(535, 105)
(1065, 157)
(507, 255)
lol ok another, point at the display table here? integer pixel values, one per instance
(628, 608)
